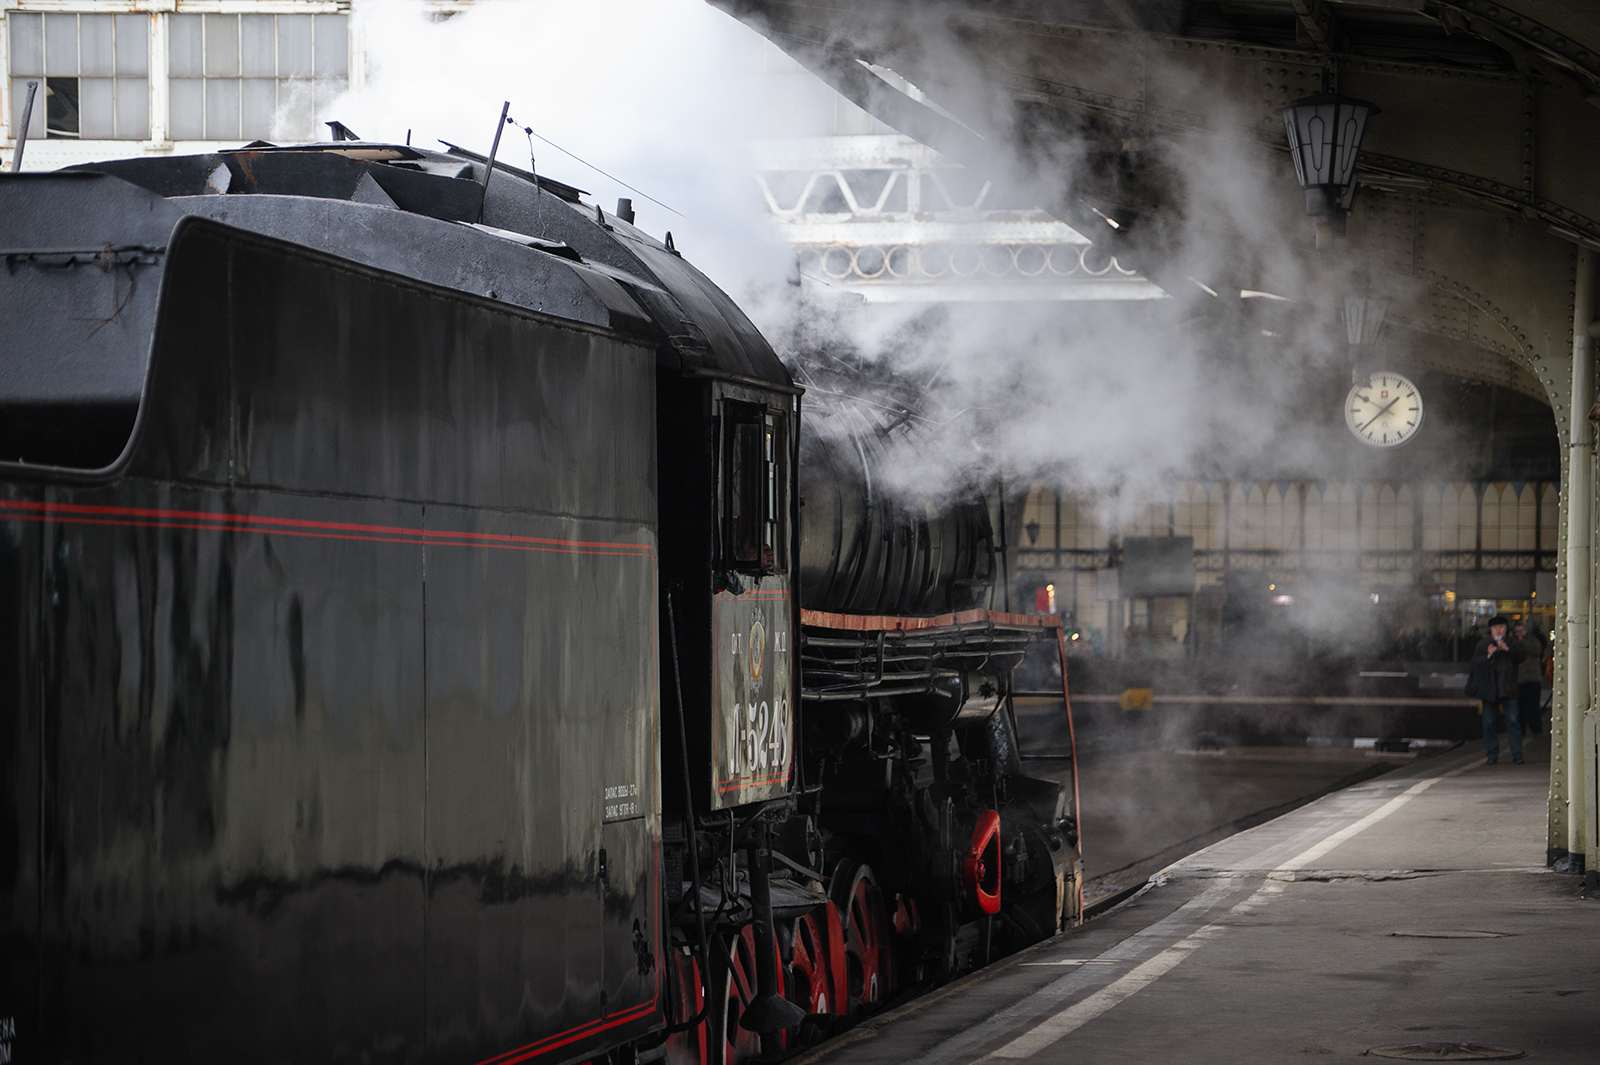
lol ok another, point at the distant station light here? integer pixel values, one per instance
(1324, 138)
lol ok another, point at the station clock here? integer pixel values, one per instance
(1384, 412)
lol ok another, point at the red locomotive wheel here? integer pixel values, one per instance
(686, 1048)
(731, 1044)
(854, 890)
(834, 930)
(812, 979)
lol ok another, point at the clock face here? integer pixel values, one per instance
(1384, 412)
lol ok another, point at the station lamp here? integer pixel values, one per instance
(1363, 324)
(1324, 137)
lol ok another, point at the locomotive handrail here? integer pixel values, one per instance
(105, 255)
(830, 695)
(921, 674)
(153, 248)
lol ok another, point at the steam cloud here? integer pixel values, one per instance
(665, 95)
(654, 92)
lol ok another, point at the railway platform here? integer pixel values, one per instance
(1410, 911)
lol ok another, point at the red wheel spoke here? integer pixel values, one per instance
(866, 947)
(810, 968)
(687, 1048)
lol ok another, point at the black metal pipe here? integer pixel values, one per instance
(770, 1013)
(688, 817)
(1005, 549)
(22, 134)
(494, 149)
(855, 694)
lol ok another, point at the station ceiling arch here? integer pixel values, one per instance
(1478, 180)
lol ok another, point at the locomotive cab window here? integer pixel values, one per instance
(755, 462)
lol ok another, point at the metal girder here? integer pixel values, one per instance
(1510, 147)
(1319, 24)
(1134, 18)
(1564, 33)
(1482, 133)
(875, 215)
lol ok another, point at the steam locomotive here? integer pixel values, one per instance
(402, 654)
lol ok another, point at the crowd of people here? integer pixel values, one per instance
(1418, 645)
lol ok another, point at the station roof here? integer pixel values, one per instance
(1476, 182)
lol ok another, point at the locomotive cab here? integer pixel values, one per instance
(753, 602)
(728, 430)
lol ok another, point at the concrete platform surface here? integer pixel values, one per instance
(1143, 810)
(1411, 909)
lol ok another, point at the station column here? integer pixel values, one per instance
(1580, 732)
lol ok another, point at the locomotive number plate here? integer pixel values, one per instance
(753, 735)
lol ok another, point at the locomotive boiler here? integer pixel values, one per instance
(906, 680)
(403, 565)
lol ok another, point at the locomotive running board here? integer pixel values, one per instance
(819, 619)
(863, 656)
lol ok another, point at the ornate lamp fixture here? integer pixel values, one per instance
(1324, 137)
(1363, 325)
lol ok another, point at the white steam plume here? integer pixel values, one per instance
(657, 93)
(666, 95)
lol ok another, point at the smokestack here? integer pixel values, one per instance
(625, 210)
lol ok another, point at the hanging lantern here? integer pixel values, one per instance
(1363, 320)
(1324, 138)
(1363, 325)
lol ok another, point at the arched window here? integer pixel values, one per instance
(1549, 520)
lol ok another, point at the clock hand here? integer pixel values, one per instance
(1382, 412)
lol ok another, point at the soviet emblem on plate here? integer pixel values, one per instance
(758, 651)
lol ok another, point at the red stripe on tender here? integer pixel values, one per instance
(754, 782)
(68, 514)
(864, 623)
(571, 1035)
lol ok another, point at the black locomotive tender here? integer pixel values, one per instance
(393, 560)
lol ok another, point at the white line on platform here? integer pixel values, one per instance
(962, 1045)
(1079, 1014)
(1311, 854)
(1059, 1025)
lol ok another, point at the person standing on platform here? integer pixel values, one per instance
(1504, 654)
(1530, 678)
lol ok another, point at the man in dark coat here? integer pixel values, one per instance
(1504, 654)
